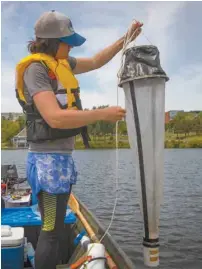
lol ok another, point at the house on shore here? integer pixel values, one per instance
(20, 140)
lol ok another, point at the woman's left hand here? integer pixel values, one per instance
(135, 30)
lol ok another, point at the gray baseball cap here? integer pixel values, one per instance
(53, 24)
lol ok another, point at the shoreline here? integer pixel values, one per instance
(108, 147)
(170, 142)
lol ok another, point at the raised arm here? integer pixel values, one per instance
(84, 65)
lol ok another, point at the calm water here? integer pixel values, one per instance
(181, 214)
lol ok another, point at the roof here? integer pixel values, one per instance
(23, 133)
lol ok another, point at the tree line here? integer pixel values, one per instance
(10, 128)
(183, 123)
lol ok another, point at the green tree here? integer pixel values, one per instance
(8, 130)
(21, 121)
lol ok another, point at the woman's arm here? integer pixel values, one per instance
(56, 117)
(40, 89)
(103, 57)
(84, 65)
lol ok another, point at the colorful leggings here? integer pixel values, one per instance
(52, 208)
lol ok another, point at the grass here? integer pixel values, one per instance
(171, 141)
(108, 142)
(181, 141)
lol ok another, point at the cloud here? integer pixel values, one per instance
(8, 101)
(7, 80)
(161, 17)
(103, 23)
(106, 77)
(100, 37)
(184, 91)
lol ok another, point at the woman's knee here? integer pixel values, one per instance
(47, 207)
(53, 211)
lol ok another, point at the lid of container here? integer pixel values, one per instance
(5, 230)
(16, 237)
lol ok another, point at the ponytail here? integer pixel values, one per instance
(44, 45)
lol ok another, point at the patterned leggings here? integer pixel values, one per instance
(52, 208)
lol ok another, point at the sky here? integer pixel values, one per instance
(174, 27)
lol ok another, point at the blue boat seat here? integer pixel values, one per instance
(28, 216)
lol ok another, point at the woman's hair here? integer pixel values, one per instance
(44, 45)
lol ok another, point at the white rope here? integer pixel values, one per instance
(127, 40)
(116, 177)
(144, 34)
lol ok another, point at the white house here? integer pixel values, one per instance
(20, 140)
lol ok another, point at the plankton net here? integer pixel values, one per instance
(143, 81)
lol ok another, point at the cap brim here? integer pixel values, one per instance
(74, 40)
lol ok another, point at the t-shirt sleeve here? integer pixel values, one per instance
(36, 79)
(72, 62)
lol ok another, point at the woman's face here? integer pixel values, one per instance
(63, 51)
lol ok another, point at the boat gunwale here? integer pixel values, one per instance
(108, 239)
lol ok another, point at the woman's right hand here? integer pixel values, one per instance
(113, 113)
(69, 119)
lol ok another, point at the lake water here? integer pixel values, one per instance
(181, 213)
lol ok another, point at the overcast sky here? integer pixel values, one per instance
(174, 27)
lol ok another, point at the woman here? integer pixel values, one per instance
(46, 87)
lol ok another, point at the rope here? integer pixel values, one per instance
(144, 35)
(127, 40)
